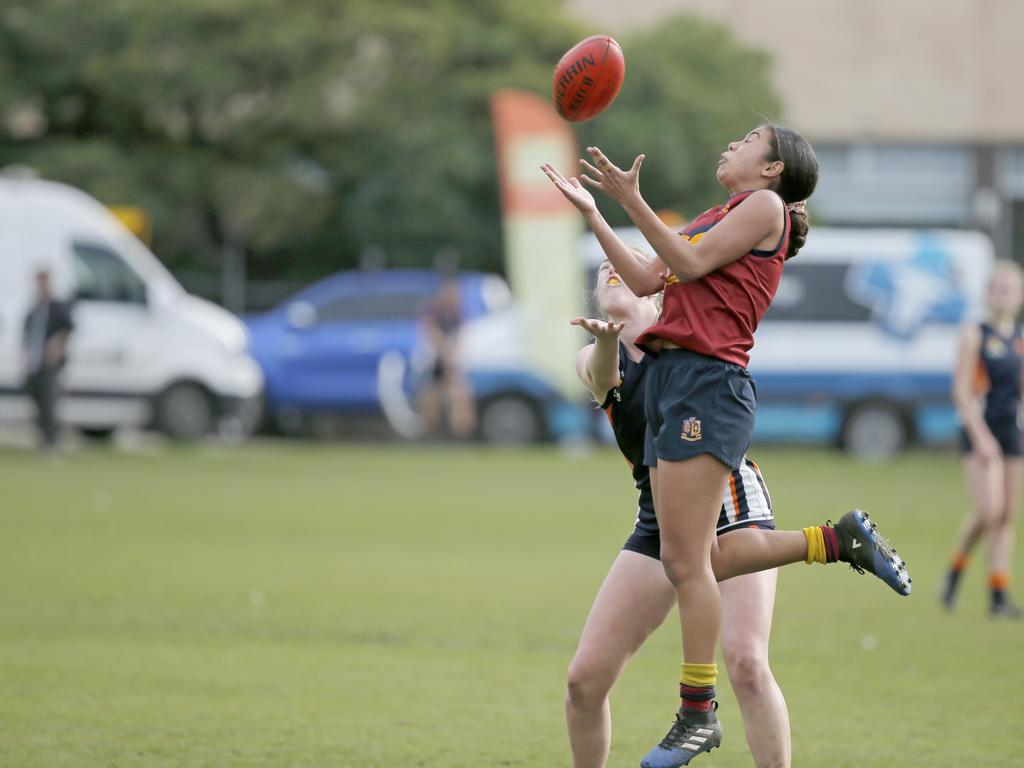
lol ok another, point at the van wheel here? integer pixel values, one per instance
(875, 431)
(511, 420)
(184, 412)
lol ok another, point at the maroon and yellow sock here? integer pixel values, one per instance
(697, 686)
(822, 544)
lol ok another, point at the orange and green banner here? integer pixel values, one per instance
(541, 231)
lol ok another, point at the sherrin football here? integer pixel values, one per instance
(588, 78)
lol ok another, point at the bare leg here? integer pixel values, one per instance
(985, 485)
(747, 603)
(633, 601)
(430, 407)
(1000, 543)
(461, 409)
(748, 550)
(688, 497)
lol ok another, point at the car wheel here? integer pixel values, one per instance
(875, 431)
(98, 434)
(290, 422)
(184, 412)
(510, 420)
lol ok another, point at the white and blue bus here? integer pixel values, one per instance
(858, 347)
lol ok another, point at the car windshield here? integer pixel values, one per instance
(374, 306)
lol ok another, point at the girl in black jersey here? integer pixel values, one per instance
(987, 393)
(636, 595)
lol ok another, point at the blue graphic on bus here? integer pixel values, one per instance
(904, 296)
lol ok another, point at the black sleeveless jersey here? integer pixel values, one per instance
(745, 500)
(625, 408)
(998, 374)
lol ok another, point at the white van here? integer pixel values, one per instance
(144, 353)
(858, 345)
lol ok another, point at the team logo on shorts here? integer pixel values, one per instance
(691, 430)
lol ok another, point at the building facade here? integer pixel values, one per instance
(913, 106)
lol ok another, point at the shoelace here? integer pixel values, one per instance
(853, 565)
(677, 735)
(680, 731)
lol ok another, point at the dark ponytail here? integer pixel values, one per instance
(799, 224)
(797, 182)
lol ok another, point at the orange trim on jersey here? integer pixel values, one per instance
(608, 413)
(694, 239)
(981, 380)
(735, 496)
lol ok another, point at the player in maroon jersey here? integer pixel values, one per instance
(699, 398)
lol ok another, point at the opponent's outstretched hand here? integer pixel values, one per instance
(599, 329)
(621, 186)
(574, 192)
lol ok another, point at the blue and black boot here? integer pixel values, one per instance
(865, 549)
(693, 733)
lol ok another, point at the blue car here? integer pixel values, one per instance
(326, 349)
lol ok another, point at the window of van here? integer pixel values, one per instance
(102, 275)
(811, 292)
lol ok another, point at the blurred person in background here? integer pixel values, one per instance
(47, 326)
(446, 390)
(987, 394)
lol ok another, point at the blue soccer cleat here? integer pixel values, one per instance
(692, 735)
(865, 549)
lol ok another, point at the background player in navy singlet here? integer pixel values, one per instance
(987, 393)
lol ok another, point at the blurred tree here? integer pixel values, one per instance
(690, 88)
(309, 133)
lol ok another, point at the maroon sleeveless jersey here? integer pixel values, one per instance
(716, 315)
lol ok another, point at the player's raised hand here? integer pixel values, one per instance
(621, 186)
(574, 192)
(599, 329)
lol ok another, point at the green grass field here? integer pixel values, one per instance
(283, 605)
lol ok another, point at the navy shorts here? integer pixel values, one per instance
(697, 404)
(1006, 433)
(746, 503)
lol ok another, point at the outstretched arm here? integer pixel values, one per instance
(743, 230)
(643, 278)
(597, 364)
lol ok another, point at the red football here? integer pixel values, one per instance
(588, 78)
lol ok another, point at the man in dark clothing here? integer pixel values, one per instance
(47, 326)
